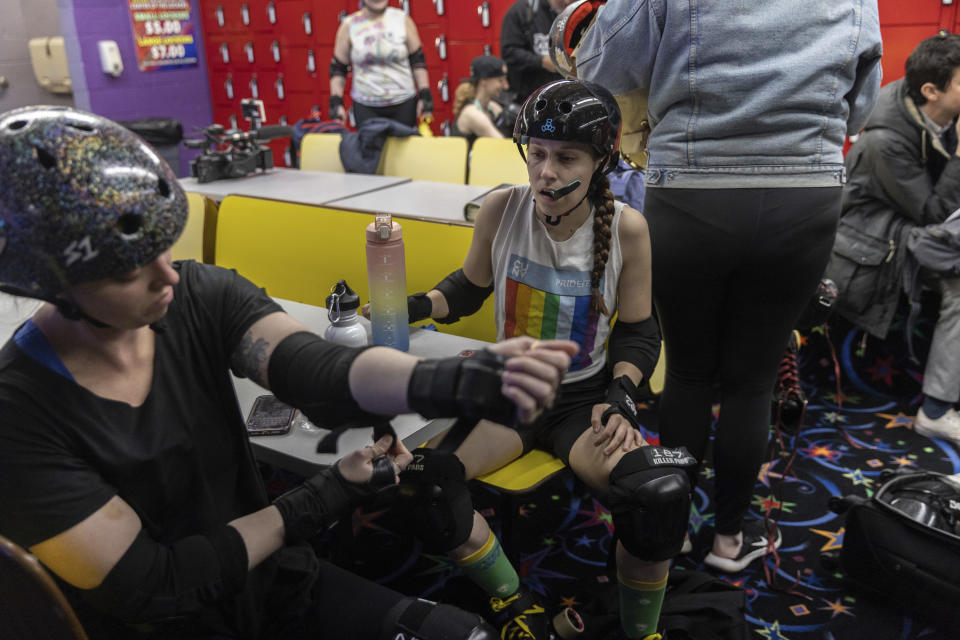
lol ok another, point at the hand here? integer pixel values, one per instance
(547, 64)
(365, 311)
(340, 114)
(533, 372)
(358, 466)
(618, 432)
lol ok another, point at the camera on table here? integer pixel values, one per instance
(232, 153)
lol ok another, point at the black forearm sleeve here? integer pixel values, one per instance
(153, 582)
(637, 343)
(311, 374)
(463, 297)
(338, 68)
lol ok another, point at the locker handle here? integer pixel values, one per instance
(311, 61)
(307, 23)
(272, 12)
(483, 12)
(245, 13)
(248, 49)
(228, 86)
(225, 53)
(275, 50)
(254, 87)
(220, 17)
(281, 93)
(441, 45)
(438, 7)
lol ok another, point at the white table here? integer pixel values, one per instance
(418, 199)
(293, 185)
(296, 451)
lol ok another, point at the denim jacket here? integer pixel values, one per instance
(740, 93)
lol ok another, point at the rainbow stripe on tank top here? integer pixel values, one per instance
(547, 304)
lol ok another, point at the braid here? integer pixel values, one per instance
(602, 198)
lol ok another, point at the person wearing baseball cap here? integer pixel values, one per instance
(475, 110)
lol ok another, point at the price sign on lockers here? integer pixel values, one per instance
(164, 34)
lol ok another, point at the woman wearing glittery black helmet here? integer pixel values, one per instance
(124, 460)
(562, 258)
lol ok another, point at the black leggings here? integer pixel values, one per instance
(732, 270)
(405, 112)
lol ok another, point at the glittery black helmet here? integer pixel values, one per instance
(81, 199)
(573, 110)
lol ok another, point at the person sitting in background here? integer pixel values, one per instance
(475, 111)
(125, 465)
(382, 46)
(903, 172)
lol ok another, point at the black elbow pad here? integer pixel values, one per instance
(338, 68)
(312, 374)
(417, 59)
(153, 582)
(637, 343)
(463, 297)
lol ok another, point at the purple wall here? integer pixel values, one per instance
(183, 94)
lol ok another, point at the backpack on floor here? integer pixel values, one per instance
(699, 606)
(903, 544)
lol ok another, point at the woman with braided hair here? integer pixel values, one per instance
(562, 257)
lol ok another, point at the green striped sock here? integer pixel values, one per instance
(640, 604)
(491, 570)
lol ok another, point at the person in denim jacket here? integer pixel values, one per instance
(748, 106)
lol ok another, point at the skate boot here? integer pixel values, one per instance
(789, 400)
(523, 616)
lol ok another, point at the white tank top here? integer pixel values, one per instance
(542, 287)
(379, 56)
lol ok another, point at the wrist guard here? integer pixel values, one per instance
(320, 501)
(335, 103)
(462, 387)
(621, 394)
(419, 307)
(426, 99)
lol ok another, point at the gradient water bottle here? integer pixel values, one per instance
(388, 283)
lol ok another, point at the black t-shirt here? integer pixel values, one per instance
(182, 459)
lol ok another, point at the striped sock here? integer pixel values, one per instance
(640, 604)
(490, 569)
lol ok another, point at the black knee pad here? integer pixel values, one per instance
(649, 497)
(417, 619)
(433, 489)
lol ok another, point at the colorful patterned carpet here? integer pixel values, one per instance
(562, 536)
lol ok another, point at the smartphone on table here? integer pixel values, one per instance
(270, 417)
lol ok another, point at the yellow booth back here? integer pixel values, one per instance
(298, 252)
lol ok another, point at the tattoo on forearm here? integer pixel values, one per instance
(250, 359)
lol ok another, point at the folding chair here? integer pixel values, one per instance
(321, 152)
(438, 158)
(31, 603)
(495, 161)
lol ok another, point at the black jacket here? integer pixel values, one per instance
(900, 174)
(523, 43)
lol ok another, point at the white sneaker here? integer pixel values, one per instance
(946, 426)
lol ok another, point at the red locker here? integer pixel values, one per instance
(459, 55)
(269, 53)
(303, 68)
(471, 20)
(898, 42)
(430, 40)
(223, 87)
(915, 12)
(423, 12)
(327, 15)
(259, 15)
(220, 51)
(226, 115)
(295, 22)
(221, 16)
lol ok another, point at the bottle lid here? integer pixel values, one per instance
(341, 299)
(384, 229)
